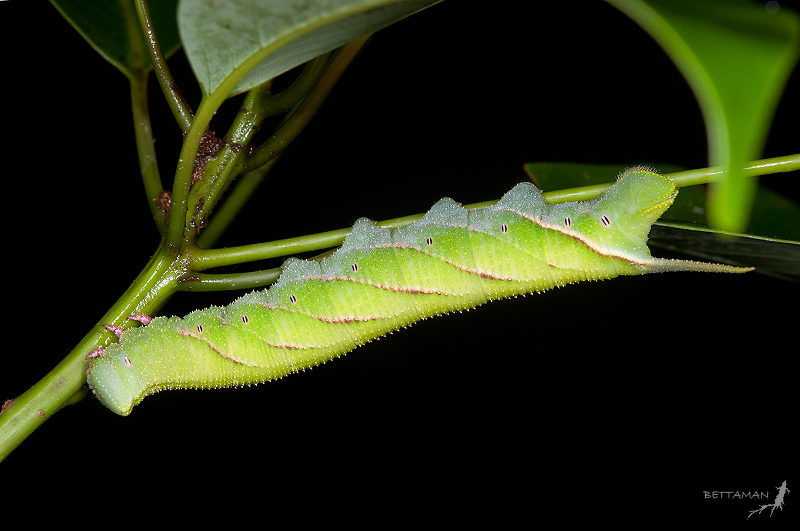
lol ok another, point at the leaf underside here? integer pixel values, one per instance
(235, 45)
(112, 29)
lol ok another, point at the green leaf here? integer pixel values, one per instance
(112, 29)
(774, 215)
(737, 56)
(235, 45)
(770, 256)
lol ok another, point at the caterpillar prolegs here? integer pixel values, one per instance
(381, 280)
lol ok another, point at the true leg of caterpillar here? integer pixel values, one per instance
(118, 330)
(141, 317)
(96, 353)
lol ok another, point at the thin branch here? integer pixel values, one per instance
(301, 86)
(178, 233)
(180, 109)
(314, 84)
(235, 200)
(203, 259)
(200, 282)
(64, 384)
(143, 133)
(685, 178)
(219, 171)
(300, 117)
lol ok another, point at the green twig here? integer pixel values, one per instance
(210, 282)
(685, 178)
(225, 166)
(164, 274)
(235, 200)
(180, 109)
(143, 133)
(301, 86)
(219, 171)
(178, 234)
(300, 117)
(64, 384)
(314, 84)
(753, 169)
(203, 259)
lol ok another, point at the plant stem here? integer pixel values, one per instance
(305, 111)
(760, 167)
(314, 84)
(143, 133)
(234, 201)
(178, 234)
(219, 171)
(203, 259)
(63, 385)
(161, 277)
(250, 280)
(301, 86)
(180, 109)
(685, 178)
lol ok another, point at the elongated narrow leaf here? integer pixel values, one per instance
(112, 28)
(235, 45)
(737, 57)
(770, 256)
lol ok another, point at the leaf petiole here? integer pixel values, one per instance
(180, 109)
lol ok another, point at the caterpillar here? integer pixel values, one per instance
(381, 280)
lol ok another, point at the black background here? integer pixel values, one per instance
(616, 401)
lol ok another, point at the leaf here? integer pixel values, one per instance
(235, 45)
(737, 57)
(112, 29)
(774, 215)
(770, 256)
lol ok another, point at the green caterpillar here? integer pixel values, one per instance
(381, 280)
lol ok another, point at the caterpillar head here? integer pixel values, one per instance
(105, 375)
(617, 222)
